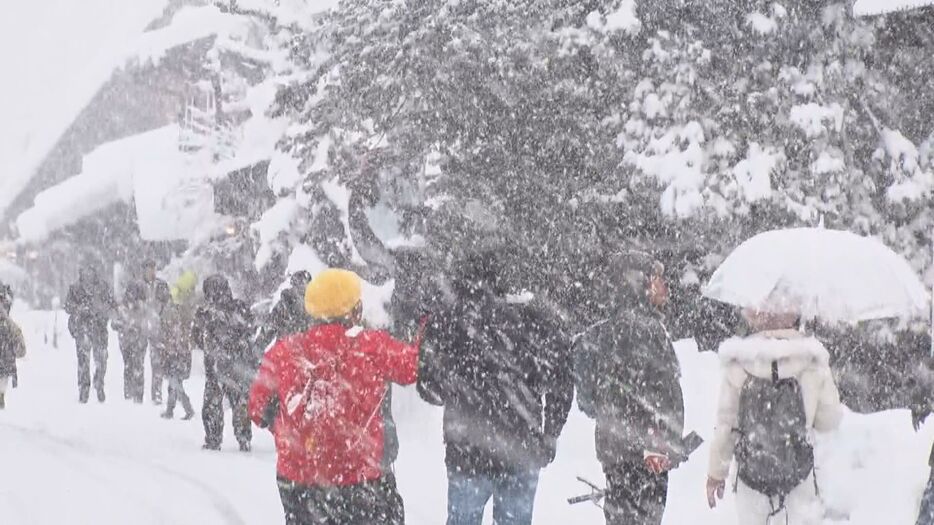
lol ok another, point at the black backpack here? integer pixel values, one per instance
(772, 451)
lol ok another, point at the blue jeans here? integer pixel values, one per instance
(513, 497)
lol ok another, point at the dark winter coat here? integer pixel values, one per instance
(501, 372)
(223, 328)
(177, 323)
(89, 304)
(12, 345)
(628, 379)
(288, 317)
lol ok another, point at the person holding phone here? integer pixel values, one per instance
(628, 380)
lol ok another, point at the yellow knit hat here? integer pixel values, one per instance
(332, 294)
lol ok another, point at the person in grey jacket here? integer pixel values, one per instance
(628, 380)
(12, 345)
(89, 305)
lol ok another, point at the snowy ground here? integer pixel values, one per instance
(120, 463)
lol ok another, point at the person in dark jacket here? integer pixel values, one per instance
(158, 298)
(628, 379)
(288, 316)
(12, 345)
(130, 325)
(222, 328)
(89, 305)
(499, 369)
(177, 320)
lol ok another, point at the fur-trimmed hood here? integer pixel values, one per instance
(794, 352)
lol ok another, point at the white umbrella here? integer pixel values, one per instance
(818, 273)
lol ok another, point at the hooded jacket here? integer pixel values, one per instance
(223, 328)
(628, 375)
(799, 356)
(628, 370)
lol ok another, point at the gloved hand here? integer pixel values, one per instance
(657, 463)
(715, 488)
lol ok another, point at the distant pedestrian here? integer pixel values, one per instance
(89, 305)
(157, 299)
(12, 345)
(177, 320)
(223, 328)
(130, 325)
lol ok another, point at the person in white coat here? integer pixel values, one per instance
(774, 350)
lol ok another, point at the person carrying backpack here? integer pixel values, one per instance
(777, 389)
(177, 321)
(321, 393)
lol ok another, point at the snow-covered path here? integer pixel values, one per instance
(120, 463)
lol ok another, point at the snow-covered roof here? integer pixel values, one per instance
(60, 54)
(172, 199)
(881, 7)
(51, 109)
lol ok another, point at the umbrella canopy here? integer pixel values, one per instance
(827, 274)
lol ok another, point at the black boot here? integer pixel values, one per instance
(100, 395)
(167, 414)
(211, 445)
(83, 395)
(245, 446)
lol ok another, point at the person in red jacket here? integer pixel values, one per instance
(320, 393)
